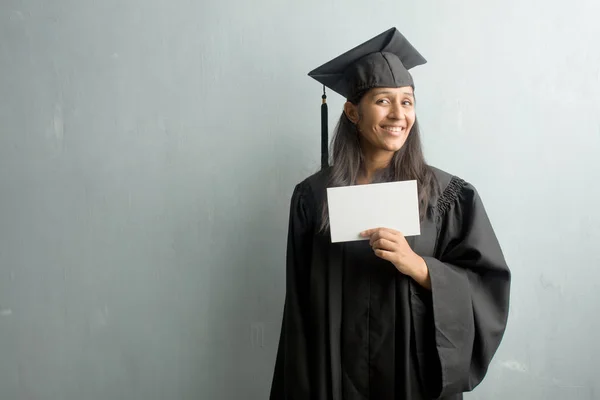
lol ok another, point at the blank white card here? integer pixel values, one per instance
(353, 209)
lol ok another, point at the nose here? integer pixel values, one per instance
(396, 111)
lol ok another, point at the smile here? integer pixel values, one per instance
(394, 129)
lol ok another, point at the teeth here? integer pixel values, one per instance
(394, 128)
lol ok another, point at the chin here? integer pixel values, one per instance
(394, 146)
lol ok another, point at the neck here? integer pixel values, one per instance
(373, 162)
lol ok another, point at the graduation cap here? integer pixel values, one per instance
(382, 61)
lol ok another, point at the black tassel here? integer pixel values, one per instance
(324, 135)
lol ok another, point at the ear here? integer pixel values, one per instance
(351, 112)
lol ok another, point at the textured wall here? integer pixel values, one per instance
(148, 150)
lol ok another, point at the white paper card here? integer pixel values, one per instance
(353, 209)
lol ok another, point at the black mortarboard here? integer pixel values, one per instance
(382, 61)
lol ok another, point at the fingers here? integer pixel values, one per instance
(381, 231)
(387, 235)
(384, 244)
(390, 231)
(368, 232)
(384, 254)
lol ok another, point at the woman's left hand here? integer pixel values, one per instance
(392, 246)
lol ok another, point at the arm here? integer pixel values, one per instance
(464, 315)
(421, 273)
(291, 375)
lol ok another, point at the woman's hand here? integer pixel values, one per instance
(392, 246)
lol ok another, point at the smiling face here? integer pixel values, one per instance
(384, 117)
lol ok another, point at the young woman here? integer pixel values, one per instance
(389, 317)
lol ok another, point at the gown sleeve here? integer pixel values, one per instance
(291, 375)
(467, 308)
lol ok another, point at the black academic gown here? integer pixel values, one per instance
(356, 328)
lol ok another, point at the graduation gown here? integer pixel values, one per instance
(354, 328)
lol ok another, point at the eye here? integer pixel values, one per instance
(383, 101)
(407, 103)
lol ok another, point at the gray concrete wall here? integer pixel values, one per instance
(148, 150)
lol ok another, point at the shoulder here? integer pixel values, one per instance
(309, 195)
(452, 190)
(314, 187)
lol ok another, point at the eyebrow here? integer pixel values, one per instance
(388, 92)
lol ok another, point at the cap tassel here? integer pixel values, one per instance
(324, 135)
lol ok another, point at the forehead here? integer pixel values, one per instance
(398, 91)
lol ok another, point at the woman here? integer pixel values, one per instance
(388, 317)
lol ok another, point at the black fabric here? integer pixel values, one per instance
(382, 61)
(324, 132)
(355, 328)
(367, 340)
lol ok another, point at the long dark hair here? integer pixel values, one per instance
(408, 163)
